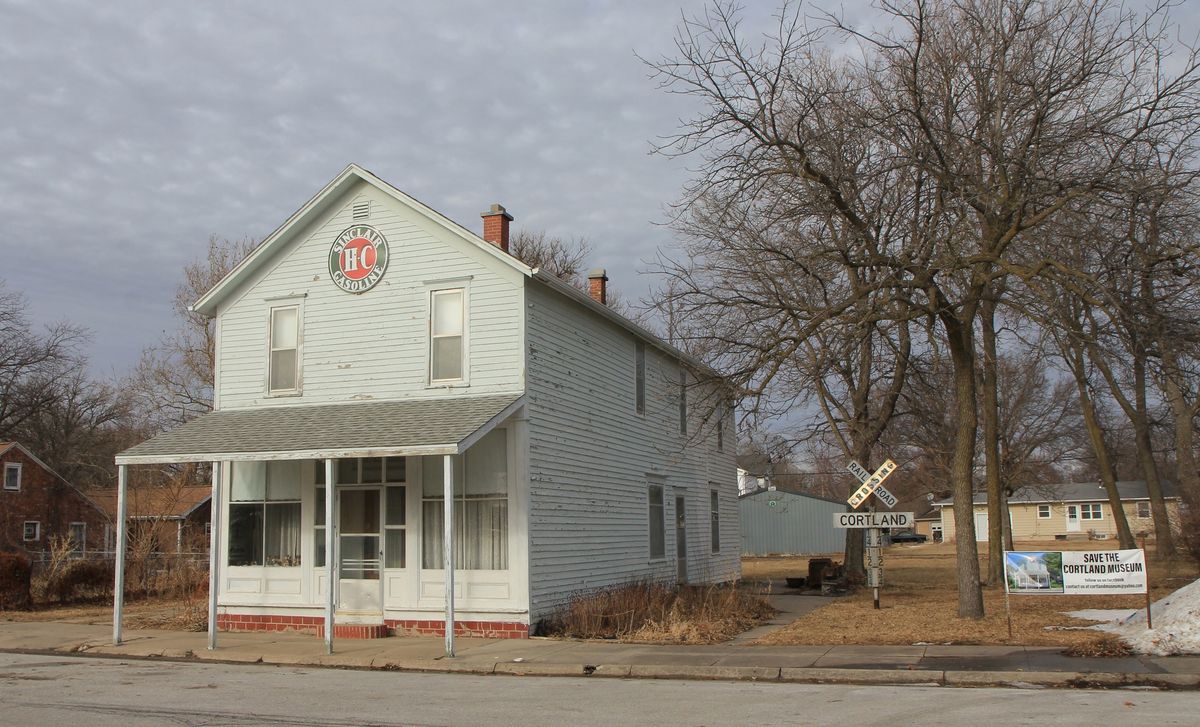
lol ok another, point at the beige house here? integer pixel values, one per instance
(1067, 511)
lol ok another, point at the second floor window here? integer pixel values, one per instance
(446, 326)
(639, 374)
(285, 343)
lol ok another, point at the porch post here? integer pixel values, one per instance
(448, 547)
(214, 553)
(330, 560)
(119, 563)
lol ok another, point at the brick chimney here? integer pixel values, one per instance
(495, 226)
(598, 285)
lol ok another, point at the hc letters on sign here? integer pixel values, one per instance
(358, 259)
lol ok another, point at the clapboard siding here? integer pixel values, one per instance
(373, 345)
(591, 457)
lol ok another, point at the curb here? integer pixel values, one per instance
(784, 675)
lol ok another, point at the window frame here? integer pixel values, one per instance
(464, 378)
(1092, 511)
(37, 531)
(714, 520)
(433, 559)
(1148, 511)
(80, 545)
(639, 377)
(1048, 512)
(12, 467)
(721, 414)
(264, 504)
(660, 523)
(683, 403)
(272, 307)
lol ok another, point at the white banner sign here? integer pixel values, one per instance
(872, 520)
(1075, 572)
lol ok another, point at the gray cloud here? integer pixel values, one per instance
(132, 131)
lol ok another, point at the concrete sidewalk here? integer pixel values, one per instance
(919, 664)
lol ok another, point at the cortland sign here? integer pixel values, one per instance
(358, 259)
(872, 519)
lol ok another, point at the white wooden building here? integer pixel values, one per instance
(373, 348)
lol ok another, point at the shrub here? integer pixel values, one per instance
(649, 611)
(15, 573)
(81, 579)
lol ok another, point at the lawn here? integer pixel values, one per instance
(919, 602)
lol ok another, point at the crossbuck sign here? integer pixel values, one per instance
(872, 484)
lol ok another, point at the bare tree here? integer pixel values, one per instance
(986, 119)
(31, 362)
(174, 378)
(80, 430)
(564, 259)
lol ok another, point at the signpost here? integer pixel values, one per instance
(872, 484)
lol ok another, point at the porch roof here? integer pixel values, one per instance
(359, 429)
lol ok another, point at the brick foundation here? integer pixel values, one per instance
(400, 627)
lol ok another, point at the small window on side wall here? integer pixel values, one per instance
(32, 531)
(1143, 508)
(284, 375)
(657, 528)
(1043, 512)
(714, 508)
(639, 377)
(12, 476)
(683, 412)
(447, 323)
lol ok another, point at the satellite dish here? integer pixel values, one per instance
(929, 496)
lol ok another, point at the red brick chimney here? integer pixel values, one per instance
(598, 285)
(495, 226)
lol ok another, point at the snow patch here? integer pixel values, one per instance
(1176, 621)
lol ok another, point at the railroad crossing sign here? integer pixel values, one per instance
(872, 484)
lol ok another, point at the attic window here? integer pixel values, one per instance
(361, 210)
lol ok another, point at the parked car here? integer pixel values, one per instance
(908, 537)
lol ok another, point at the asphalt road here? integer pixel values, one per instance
(55, 690)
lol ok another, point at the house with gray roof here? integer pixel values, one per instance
(416, 432)
(1067, 510)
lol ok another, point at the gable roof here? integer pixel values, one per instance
(322, 200)
(1071, 492)
(5, 447)
(354, 174)
(173, 503)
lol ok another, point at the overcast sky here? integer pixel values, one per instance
(133, 131)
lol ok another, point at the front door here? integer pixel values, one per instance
(360, 588)
(1072, 518)
(680, 540)
(981, 526)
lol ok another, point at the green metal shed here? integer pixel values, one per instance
(775, 522)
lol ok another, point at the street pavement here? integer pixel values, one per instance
(741, 660)
(56, 689)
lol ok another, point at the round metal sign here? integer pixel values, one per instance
(358, 259)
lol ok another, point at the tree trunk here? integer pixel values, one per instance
(989, 407)
(960, 342)
(1108, 477)
(856, 572)
(1187, 479)
(1164, 541)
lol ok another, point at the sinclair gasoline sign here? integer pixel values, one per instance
(358, 259)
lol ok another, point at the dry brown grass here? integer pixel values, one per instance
(645, 612)
(175, 614)
(919, 603)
